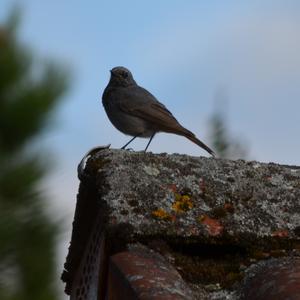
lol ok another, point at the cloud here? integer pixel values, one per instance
(250, 50)
(254, 55)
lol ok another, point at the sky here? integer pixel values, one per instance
(183, 52)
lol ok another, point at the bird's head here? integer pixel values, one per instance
(121, 76)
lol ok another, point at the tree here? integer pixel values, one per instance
(223, 143)
(28, 94)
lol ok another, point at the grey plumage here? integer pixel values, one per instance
(136, 112)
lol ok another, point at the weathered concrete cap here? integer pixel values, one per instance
(183, 196)
(211, 219)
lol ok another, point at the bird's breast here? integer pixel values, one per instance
(126, 123)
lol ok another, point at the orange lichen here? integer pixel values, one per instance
(162, 214)
(182, 203)
(202, 185)
(214, 227)
(173, 187)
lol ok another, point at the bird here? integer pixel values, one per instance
(136, 112)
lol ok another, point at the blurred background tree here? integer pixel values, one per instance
(223, 143)
(28, 94)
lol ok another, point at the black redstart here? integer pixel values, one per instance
(136, 112)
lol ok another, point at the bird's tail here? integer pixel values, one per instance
(201, 144)
(188, 134)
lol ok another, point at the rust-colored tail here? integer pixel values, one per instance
(201, 144)
(189, 135)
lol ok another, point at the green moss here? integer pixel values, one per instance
(94, 165)
(231, 278)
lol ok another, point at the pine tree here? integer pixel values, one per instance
(28, 94)
(223, 143)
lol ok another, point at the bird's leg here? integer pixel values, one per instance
(130, 141)
(152, 136)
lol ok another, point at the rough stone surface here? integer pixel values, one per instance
(198, 197)
(212, 219)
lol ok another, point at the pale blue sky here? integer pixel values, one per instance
(183, 52)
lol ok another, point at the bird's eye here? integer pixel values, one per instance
(125, 74)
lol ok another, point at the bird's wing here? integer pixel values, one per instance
(140, 103)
